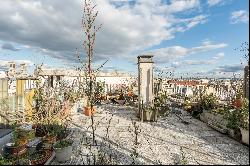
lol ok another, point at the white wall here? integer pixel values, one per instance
(146, 82)
(115, 82)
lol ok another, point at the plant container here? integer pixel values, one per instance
(88, 111)
(40, 131)
(245, 135)
(149, 116)
(63, 150)
(237, 103)
(12, 150)
(40, 157)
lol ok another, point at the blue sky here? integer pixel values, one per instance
(188, 37)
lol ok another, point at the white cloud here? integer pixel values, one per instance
(239, 16)
(213, 60)
(164, 55)
(189, 23)
(210, 61)
(181, 5)
(233, 68)
(54, 27)
(213, 2)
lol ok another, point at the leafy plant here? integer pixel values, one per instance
(19, 136)
(208, 102)
(196, 110)
(233, 119)
(244, 114)
(239, 93)
(63, 143)
(4, 161)
(149, 108)
(51, 105)
(55, 129)
(222, 110)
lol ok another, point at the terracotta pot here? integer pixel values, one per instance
(237, 103)
(130, 93)
(88, 111)
(45, 155)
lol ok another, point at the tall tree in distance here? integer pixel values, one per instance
(244, 49)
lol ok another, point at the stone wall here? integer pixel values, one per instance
(246, 82)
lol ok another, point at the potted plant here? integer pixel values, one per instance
(237, 102)
(18, 146)
(208, 102)
(31, 135)
(63, 149)
(40, 130)
(50, 138)
(40, 157)
(150, 113)
(244, 121)
(233, 124)
(160, 105)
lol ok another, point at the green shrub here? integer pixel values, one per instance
(244, 114)
(63, 143)
(233, 119)
(208, 102)
(4, 161)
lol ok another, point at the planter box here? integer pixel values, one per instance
(149, 115)
(216, 121)
(219, 128)
(235, 134)
(245, 136)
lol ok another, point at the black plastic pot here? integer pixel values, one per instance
(41, 131)
(11, 150)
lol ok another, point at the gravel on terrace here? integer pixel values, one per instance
(167, 141)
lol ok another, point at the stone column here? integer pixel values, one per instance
(145, 80)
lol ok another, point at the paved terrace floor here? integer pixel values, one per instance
(167, 141)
